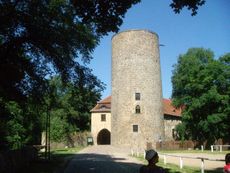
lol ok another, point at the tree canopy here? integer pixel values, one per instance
(193, 5)
(201, 84)
(69, 106)
(40, 39)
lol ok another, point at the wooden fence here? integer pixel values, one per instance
(202, 168)
(181, 158)
(219, 147)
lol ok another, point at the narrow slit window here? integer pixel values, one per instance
(137, 96)
(138, 109)
(135, 128)
(174, 134)
(103, 117)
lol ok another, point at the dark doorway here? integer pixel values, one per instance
(103, 137)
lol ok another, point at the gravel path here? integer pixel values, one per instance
(103, 159)
(109, 159)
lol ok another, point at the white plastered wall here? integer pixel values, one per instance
(97, 125)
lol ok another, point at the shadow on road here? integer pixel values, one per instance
(91, 163)
(99, 163)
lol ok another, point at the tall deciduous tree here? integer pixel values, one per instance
(202, 84)
(69, 104)
(42, 38)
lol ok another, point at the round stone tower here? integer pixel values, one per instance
(137, 115)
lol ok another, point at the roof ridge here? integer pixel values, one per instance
(168, 107)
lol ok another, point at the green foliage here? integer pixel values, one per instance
(181, 130)
(202, 84)
(40, 39)
(192, 5)
(58, 129)
(103, 15)
(15, 131)
(20, 125)
(70, 104)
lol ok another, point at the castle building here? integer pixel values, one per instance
(101, 121)
(133, 116)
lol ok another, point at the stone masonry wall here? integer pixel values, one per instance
(136, 69)
(170, 123)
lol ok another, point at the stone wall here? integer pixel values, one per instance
(136, 69)
(175, 145)
(76, 139)
(170, 123)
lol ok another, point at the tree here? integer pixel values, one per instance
(103, 15)
(39, 39)
(202, 84)
(20, 125)
(69, 105)
(193, 5)
(15, 130)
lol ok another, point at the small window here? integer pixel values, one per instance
(137, 96)
(174, 134)
(135, 128)
(102, 106)
(103, 117)
(138, 109)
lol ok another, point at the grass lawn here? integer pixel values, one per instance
(172, 168)
(193, 151)
(58, 160)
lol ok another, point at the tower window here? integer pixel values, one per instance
(137, 96)
(135, 128)
(103, 117)
(138, 109)
(174, 134)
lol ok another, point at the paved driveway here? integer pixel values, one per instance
(109, 159)
(103, 159)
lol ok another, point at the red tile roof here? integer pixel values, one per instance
(168, 109)
(103, 105)
(106, 100)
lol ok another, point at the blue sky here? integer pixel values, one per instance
(210, 29)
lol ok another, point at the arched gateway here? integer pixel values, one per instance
(103, 137)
